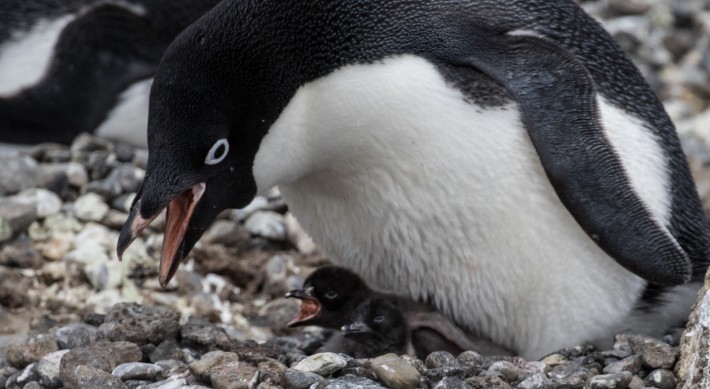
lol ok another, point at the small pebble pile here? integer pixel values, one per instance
(72, 315)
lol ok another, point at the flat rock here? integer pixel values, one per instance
(233, 375)
(47, 369)
(202, 368)
(88, 377)
(137, 371)
(323, 364)
(139, 324)
(395, 372)
(21, 355)
(618, 380)
(296, 379)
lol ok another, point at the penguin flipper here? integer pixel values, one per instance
(557, 101)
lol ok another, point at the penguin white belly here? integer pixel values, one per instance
(398, 177)
(128, 120)
(25, 58)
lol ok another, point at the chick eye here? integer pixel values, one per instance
(379, 319)
(331, 295)
(218, 152)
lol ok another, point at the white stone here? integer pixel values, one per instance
(90, 207)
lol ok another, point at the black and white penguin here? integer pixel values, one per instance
(72, 66)
(331, 296)
(377, 327)
(504, 160)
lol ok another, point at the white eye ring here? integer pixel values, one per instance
(213, 159)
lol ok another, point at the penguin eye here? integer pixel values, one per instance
(331, 295)
(218, 152)
(379, 319)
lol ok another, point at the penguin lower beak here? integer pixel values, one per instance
(310, 307)
(178, 214)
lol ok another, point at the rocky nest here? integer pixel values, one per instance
(72, 315)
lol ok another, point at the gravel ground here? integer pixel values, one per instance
(72, 316)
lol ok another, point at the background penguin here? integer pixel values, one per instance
(75, 66)
(331, 295)
(504, 160)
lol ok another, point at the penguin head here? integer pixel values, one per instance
(329, 296)
(377, 319)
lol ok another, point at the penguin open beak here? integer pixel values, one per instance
(310, 307)
(178, 214)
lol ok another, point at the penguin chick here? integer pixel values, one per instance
(377, 327)
(331, 295)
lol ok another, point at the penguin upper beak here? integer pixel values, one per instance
(178, 214)
(310, 306)
(356, 328)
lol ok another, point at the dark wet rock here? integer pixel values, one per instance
(168, 349)
(139, 324)
(21, 355)
(200, 333)
(233, 375)
(75, 335)
(89, 377)
(661, 378)
(137, 371)
(47, 369)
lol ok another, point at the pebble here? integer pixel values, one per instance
(353, 382)
(18, 216)
(301, 379)
(267, 224)
(88, 377)
(21, 355)
(655, 354)
(47, 369)
(323, 364)
(46, 203)
(103, 356)
(632, 364)
(618, 380)
(17, 173)
(661, 378)
(20, 254)
(439, 359)
(395, 372)
(5, 230)
(200, 333)
(139, 324)
(506, 369)
(90, 207)
(168, 349)
(137, 371)
(233, 375)
(202, 367)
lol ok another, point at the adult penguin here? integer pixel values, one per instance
(72, 66)
(503, 160)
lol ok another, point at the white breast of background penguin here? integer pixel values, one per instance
(398, 177)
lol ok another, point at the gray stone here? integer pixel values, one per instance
(300, 379)
(33, 385)
(90, 207)
(171, 367)
(21, 355)
(137, 371)
(139, 324)
(5, 230)
(618, 380)
(88, 377)
(74, 335)
(17, 216)
(200, 333)
(20, 254)
(24, 376)
(352, 382)
(167, 349)
(175, 382)
(632, 364)
(453, 383)
(478, 382)
(104, 356)
(233, 375)
(661, 378)
(654, 353)
(123, 202)
(47, 369)
(395, 372)
(507, 370)
(202, 368)
(323, 364)
(17, 173)
(439, 359)
(227, 233)
(535, 381)
(46, 203)
(267, 224)
(271, 372)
